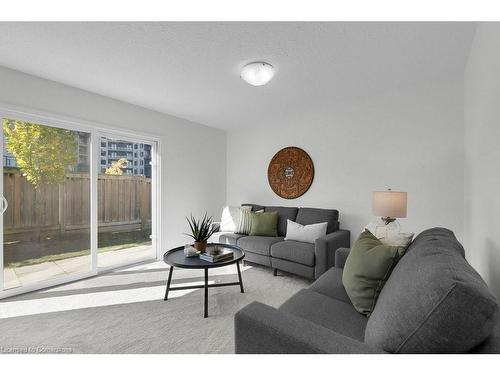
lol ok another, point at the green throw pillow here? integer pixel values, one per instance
(366, 270)
(264, 224)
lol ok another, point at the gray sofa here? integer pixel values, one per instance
(433, 302)
(304, 259)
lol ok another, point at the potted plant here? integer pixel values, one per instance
(201, 230)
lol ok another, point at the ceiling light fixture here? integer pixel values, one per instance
(257, 73)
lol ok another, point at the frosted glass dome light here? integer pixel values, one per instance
(257, 73)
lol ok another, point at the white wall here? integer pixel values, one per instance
(410, 140)
(193, 155)
(482, 154)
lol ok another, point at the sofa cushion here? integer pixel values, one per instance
(306, 216)
(244, 224)
(434, 301)
(264, 224)
(330, 313)
(366, 270)
(258, 244)
(330, 284)
(264, 260)
(304, 233)
(230, 219)
(229, 238)
(439, 238)
(298, 252)
(284, 213)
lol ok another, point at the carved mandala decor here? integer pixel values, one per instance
(290, 172)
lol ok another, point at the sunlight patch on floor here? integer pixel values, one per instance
(127, 274)
(118, 280)
(81, 301)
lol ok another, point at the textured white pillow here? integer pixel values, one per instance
(245, 223)
(304, 233)
(230, 219)
(389, 234)
(397, 239)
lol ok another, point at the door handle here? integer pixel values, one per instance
(5, 204)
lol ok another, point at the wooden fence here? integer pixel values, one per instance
(124, 202)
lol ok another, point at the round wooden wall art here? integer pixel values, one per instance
(290, 172)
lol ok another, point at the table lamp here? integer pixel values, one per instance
(389, 205)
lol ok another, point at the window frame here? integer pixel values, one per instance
(96, 130)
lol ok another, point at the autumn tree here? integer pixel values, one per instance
(117, 167)
(43, 153)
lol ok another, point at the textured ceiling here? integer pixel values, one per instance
(191, 70)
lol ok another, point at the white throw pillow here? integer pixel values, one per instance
(304, 233)
(397, 239)
(389, 234)
(245, 222)
(230, 219)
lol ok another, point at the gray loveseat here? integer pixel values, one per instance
(304, 259)
(433, 302)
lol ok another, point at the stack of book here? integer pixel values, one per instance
(222, 255)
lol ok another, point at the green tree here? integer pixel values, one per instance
(43, 153)
(117, 167)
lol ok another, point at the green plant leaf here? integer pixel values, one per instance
(201, 229)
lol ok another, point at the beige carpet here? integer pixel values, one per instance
(124, 312)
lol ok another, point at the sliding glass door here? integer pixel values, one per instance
(75, 201)
(124, 189)
(46, 190)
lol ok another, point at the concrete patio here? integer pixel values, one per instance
(26, 275)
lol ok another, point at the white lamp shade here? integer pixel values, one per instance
(389, 203)
(257, 73)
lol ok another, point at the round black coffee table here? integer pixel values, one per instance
(176, 258)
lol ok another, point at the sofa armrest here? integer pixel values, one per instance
(262, 329)
(341, 255)
(325, 247)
